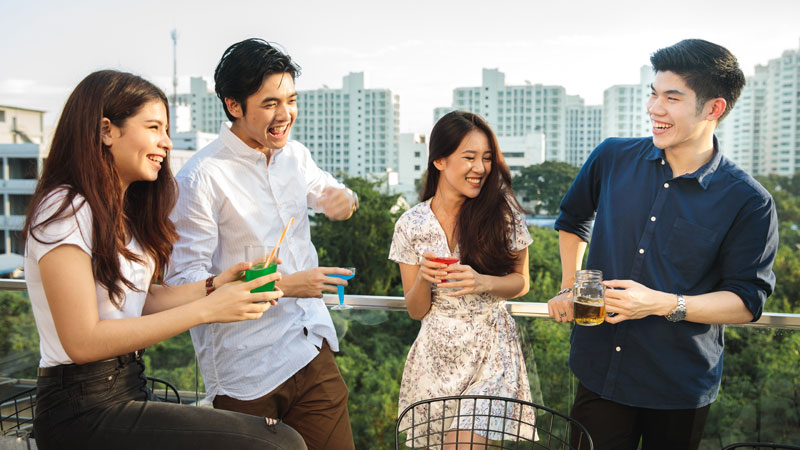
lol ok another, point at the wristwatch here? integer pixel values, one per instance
(355, 199)
(679, 313)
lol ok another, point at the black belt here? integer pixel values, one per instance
(78, 369)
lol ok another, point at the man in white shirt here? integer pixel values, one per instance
(242, 189)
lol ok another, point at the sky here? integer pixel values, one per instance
(421, 50)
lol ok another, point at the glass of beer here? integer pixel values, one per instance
(588, 295)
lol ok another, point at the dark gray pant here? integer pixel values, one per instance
(613, 426)
(104, 405)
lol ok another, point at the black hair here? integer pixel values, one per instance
(243, 68)
(710, 70)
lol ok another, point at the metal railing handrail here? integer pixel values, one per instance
(539, 310)
(522, 309)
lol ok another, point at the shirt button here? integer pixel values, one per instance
(666, 185)
(653, 219)
(662, 162)
(641, 251)
(619, 349)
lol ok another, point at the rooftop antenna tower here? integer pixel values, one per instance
(174, 35)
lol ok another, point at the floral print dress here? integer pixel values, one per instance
(467, 345)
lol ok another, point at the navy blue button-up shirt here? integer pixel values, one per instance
(711, 230)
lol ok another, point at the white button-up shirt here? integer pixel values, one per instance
(229, 198)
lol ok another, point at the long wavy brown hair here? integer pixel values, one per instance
(483, 223)
(81, 163)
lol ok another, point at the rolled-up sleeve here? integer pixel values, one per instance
(747, 254)
(579, 205)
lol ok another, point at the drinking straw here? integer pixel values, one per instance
(275, 249)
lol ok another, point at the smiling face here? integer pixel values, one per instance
(140, 145)
(674, 114)
(269, 116)
(464, 171)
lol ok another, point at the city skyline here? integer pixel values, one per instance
(420, 51)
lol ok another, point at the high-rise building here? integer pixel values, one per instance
(740, 134)
(762, 132)
(352, 130)
(23, 151)
(412, 164)
(780, 122)
(625, 107)
(206, 109)
(584, 129)
(521, 110)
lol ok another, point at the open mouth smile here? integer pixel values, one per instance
(278, 131)
(660, 127)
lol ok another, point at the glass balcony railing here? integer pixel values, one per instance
(759, 399)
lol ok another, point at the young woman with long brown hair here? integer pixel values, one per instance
(98, 239)
(468, 342)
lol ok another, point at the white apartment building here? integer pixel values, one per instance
(199, 110)
(352, 130)
(780, 122)
(625, 107)
(522, 151)
(584, 130)
(207, 111)
(412, 164)
(517, 110)
(762, 132)
(740, 134)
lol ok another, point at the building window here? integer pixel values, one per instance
(18, 204)
(17, 242)
(22, 168)
(2, 116)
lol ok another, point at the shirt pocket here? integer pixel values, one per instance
(691, 250)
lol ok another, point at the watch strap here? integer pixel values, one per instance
(210, 285)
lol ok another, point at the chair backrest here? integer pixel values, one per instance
(760, 445)
(163, 391)
(476, 421)
(17, 412)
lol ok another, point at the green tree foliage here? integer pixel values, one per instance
(545, 183)
(785, 190)
(19, 341)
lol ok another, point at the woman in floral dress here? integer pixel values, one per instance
(468, 343)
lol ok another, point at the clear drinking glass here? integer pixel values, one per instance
(257, 256)
(340, 288)
(588, 296)
(446, 258)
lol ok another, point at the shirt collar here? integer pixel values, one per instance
(239, 148)
(703, 174)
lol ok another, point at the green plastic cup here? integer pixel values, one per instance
(259, 270)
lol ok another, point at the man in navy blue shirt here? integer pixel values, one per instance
(686, 240)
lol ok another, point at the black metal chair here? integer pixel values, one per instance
(760, 445)
(165, 392)
(17, 412)
(506, 423)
